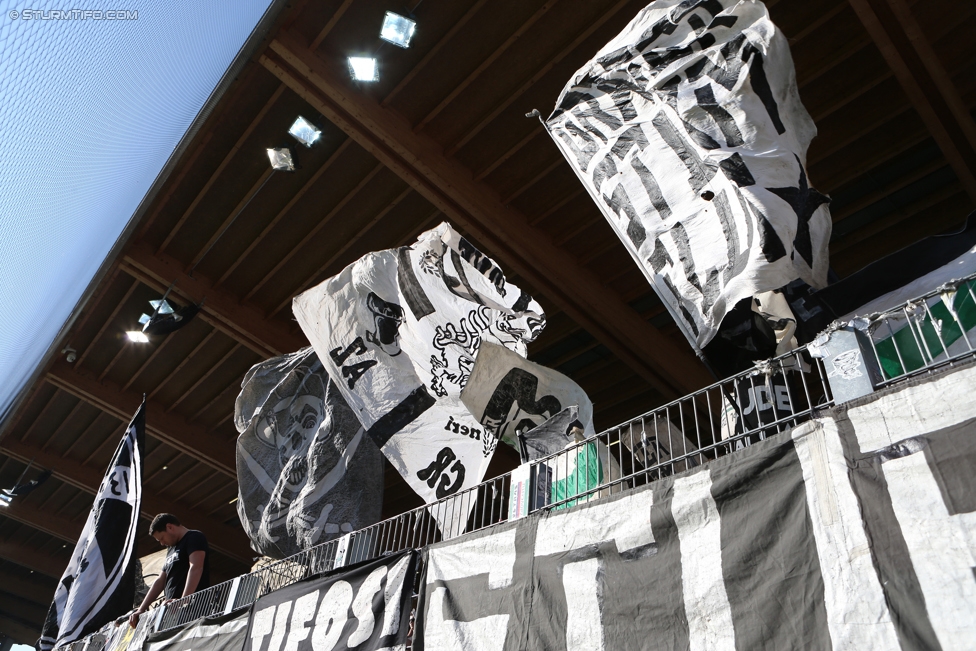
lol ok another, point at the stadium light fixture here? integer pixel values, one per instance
(364, 68)
(281, 159)
(397, 29)
(304, 131)
(138, 336)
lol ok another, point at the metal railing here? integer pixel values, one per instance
(924, 334)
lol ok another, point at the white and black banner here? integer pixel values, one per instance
(306, 470)
(853, 531)
(398, 331)
(99, 583)
(688, 131)
(365, 607)
(510, 395)
(220, 633)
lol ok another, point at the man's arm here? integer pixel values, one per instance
(196, 571)
(154, 591)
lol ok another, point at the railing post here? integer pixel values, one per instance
(232, 596)
(849, 359)
(158, 619)
(342, 548)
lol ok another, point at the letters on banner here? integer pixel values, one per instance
(398, 331)
(366, 607)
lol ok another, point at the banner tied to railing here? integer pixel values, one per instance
(853, 531)
(220, 633)
(398, 331)
(688, 131)
(365, 607)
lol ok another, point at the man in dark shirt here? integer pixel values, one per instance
(187, 566)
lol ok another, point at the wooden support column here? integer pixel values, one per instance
(474, 206)
(924, 79)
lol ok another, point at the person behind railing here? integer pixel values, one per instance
(187, 566)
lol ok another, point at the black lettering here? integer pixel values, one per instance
(353, 372)
(446, 488)
(339, 356)
(464, 430)
(450, 420)
(437, 466)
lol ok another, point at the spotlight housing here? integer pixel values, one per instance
(138, 336)
(364, 68)
(397, 29)
(304, 131)
(281, 159)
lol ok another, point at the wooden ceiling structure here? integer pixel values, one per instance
(441, 136)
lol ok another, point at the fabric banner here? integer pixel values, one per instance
(221, 633)
(99, 583)
(365, 607)
(306, 471)
(856, 530)
(510, 395)
(398, 331)
(688, 132)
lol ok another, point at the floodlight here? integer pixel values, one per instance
(304, 131)
(5, 499)
(364, 68)
(281, 159)
(397, 29)
(137, 336)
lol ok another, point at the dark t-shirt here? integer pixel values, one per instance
(177, 564)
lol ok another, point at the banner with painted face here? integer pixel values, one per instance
(688, 132)
(398, 331)
(365, 607)
(306, 471)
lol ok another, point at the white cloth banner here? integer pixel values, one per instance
(508, 394)
(398, 331)
(688, 132)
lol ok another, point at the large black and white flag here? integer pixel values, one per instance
(688, 131)
(306, 471)
(99, 583)
(398, 331)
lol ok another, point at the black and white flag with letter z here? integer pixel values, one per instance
(688, 131)
(398, 331)
(99, 583)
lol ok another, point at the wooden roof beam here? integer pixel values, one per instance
(28, 556)
(225, 312)
(19, 631)
(42, 520)
(172, 428)
(476, 208)
(39, 591)
(231, 541)
(898, 36)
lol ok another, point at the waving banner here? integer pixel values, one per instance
(366, 607)
(306, 471)
(510, 395)
(99, 583)
(688, 132)
(221, 633)
(398, 331)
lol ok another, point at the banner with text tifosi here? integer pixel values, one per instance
(365, 607)
(398, 331)
(853, 531)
